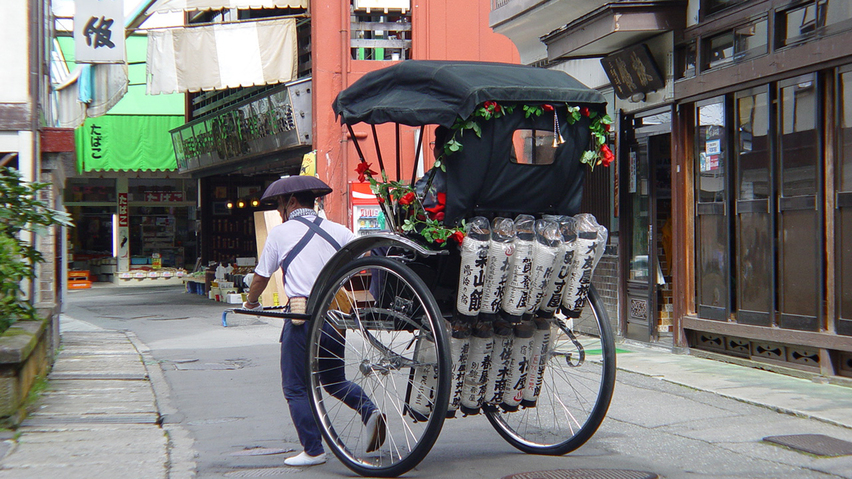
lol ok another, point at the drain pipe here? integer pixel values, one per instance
(29, 165)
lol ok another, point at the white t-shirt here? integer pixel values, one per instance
(306, 266)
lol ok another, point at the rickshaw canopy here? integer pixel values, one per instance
(424, 92)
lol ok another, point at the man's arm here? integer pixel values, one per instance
(258, 284)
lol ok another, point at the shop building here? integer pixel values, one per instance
(763, 110)
(733, 166)
(134, 215)
(30, 140)
(243, 134)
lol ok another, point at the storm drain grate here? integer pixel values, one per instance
(816, 444)
(584, 474)
(263, 472)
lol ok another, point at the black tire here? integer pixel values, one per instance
(383, 344)
(576, 391)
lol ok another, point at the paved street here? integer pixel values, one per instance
(223, 413)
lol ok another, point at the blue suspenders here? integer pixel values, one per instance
(313, 228)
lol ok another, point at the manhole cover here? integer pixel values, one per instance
(263, 472)
(584, 474)
(817, 444)
(261, 451)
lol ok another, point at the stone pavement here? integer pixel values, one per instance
(808, 398)
(100, 414)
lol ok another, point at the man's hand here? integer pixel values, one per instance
(253, 306)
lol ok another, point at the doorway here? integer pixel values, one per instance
(646, 203)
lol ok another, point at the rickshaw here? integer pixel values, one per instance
(390, 297)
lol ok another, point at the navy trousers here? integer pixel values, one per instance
(295, 382)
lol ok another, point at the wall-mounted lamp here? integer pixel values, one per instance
(637, 97)
(230, 205)
(241, 204)
(255, 203)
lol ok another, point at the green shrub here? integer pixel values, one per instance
(20, 211)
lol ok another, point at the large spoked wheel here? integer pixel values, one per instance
(576, 389)
(383, 355)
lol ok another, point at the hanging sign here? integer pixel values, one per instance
(123, 215)
(634, 166)
(632, 70)
(99, 31)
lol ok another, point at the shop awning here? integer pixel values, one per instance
(127, 142)
(614, 26)
(189, 5)
(221, 56)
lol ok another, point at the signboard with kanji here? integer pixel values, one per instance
(632, 70)
(99, 31)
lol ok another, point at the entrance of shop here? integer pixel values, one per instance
(647, 225)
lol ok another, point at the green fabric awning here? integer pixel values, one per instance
(127, 142)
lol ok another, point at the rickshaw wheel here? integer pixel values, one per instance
(576, 390)
(393, 343)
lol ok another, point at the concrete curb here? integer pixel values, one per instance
(181, 459)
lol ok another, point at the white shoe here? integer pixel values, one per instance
(303, 459)
(376, 431)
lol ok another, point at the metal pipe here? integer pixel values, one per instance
(417, 154)
(379, 153)
(398, 168)
(355, 142)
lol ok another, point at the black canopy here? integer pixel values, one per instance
(422, 92)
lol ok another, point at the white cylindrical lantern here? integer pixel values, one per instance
(459, 350)
(478, 364)
(555, 289)
(501, 364)
(545, 261)
(474, 257)
(588, 249)
(538, 362)
(521, 353)
(516, 295)
(500, 250)
(424, 380)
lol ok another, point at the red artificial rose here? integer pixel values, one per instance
(492, 106)
(606, 155)
(439, 216)
(606, 127)
(439, 240)
(584, 111)
(363, 169)
(381, 199)
(458, 237)
(407, 198)
(547, 107)
(434, 209)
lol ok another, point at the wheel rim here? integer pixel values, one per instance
(384, 344)
(575, 392)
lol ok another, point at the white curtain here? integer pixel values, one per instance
(221, 56)
(108, 86)
(181, 5)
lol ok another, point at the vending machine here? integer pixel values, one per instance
(366, 214)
